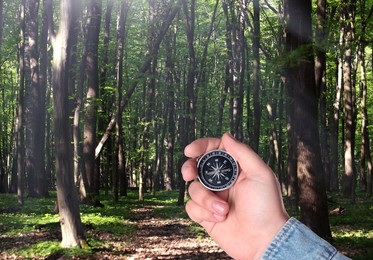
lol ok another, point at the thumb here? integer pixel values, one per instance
(249, 161)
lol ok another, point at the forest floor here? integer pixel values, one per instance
(157, 238)
(155, 228)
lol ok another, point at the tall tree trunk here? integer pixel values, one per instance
(293, 190)
(365, 172)
(190, 103)
(320, 78)
(106, 96)
(71, 226)
(236, 70)
(334, 160)
(80, 174)
(36, 166)
(119, 169)
(44, 64)
(348, 187)
(301, 81)
(90, 123)
(191, 75)
(365, 158)
(170, 139)
(228, 82)
(20, 109)
(256, 76)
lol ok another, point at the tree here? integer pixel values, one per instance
(67, 198)
(365, 150)
(320, 78)
(36, 116)
(348, 11)
(300, 79)
(256, 76)
(20, 109)
(119, 167)
(90, 120)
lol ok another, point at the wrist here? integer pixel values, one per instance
(269, 236)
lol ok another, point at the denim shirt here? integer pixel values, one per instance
(296, 241)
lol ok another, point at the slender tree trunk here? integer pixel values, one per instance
(90, 123)
(119, 171)
(71, 226)
(80, 174)
(190, 103)
(301, 81)
(348, 187)
(43, 76)
(170, 139)
(334, 178)
(190, 91)
(365, 158)
(320, 78)
(293, 190)
(223, 98)
(256, 77)
(37, 106)
(20, 110)
(106, 96)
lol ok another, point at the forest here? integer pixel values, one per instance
(99, 99)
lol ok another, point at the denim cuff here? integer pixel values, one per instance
(296, 241)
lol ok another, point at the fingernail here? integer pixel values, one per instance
(219, 207)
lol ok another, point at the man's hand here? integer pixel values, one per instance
(244, 219)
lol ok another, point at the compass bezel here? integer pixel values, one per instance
(233, 164)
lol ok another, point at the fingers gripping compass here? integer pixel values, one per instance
(217, 170)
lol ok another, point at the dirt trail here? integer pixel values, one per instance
(168, 239)
(154, 238)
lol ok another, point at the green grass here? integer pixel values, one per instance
(33, 231)
(353, 230)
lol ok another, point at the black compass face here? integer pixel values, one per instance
(217, 170)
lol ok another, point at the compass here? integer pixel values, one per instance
(217, 170)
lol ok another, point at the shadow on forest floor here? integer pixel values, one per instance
(153, 229)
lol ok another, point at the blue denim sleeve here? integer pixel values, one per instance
(296, 241)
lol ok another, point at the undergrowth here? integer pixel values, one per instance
(33, 230)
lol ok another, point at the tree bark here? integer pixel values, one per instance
(365, 158)
(170, 139)
(348, 187)
(301, 81)
(36, 165)
(256, 77)
(71, 226)
(20, 109)
(90, 123)
(119, 168)
(334, 161)
(320, 78)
